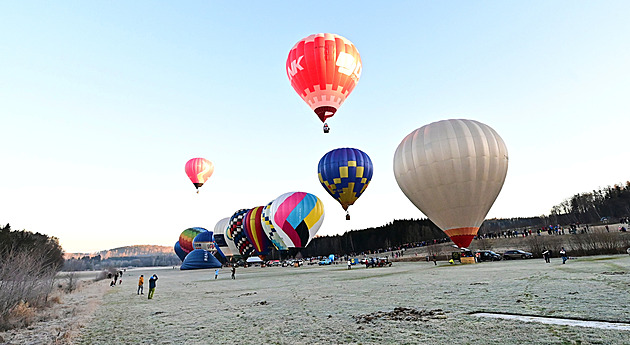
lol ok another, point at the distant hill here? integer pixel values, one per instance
(136, 251)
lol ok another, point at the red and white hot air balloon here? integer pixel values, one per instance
(453, 171)
(199, 171)
(324, 69)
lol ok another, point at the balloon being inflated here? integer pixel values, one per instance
(297, 216)
(270, 230)
(452, 171)
(226, 245)
(187, 236)
(254, 231)
(236, 232)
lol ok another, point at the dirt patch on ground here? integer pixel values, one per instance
(402, 314)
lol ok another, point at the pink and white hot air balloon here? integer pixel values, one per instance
(199, 171)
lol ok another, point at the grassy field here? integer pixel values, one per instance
(409, 303)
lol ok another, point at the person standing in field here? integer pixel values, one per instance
(563, 254)
(349, 264)
(152, 284)
(233, 271)
(141, 285)
(546, 256)
(216, 273)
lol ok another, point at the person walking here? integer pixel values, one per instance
(233, 272)
(216, 273)
(435, 259)
(141, 285)
(152, 284)
(546, 256)
(563, 254)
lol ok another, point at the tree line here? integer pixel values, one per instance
(97, 262)
(609, 204)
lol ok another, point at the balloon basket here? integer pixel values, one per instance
(347, 216)
(467, 260)
(326, 128)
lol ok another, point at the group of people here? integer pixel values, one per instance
(115, 278)
(154, 278)
(152, 284)
(547, 255)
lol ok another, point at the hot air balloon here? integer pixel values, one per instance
(255, 232)
(297, 216)
(199, 171)
(270, 230)
(237, 233)
(200, 259)
(187, 236)
(453, 171)
(324, 69)
(225, 244)
(205, 241)
(181, 254)
(345, 173)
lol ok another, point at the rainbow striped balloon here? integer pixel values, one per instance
(297, 216)
(187, 236)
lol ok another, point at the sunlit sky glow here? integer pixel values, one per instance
(102, 104)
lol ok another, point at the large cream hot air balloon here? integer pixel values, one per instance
(453, 171)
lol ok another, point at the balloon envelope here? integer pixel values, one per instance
(205, 241)
(297, 216)
(181, 254)
(225, 243)
(255, 232)
(324, 69)
(453, 171)
(199, 171)
(199, 259)
(187, 236)
(345, 174)
(270, 230)
(237, 233)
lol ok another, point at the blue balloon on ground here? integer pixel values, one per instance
(179, 251)
(200, 259)
(205, 241)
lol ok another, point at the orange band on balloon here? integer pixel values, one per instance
(462, 231)
(462, 237)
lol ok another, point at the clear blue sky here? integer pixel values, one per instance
(102, 104)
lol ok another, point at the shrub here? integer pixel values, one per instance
(28, 265)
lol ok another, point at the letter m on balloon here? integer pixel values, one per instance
(295, 67)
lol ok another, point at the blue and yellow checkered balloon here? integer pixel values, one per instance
(345, 173)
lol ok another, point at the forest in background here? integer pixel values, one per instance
(606, 205)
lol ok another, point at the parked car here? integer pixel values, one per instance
(325, 262)
(488, 255)
(516, 254)
(273, 263)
